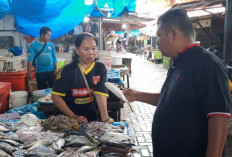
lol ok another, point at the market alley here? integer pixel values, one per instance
(148, 77)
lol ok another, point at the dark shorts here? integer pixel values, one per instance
(45, 79)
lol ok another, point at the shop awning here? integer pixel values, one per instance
(60, 15)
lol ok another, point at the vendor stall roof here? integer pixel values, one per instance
(31, 15)
(203, 9)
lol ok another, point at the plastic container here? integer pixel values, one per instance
(17, 79)
(114, 76)
(18, 99)
(13, 64)
(116, 60)
(60, 62)
(38, 94)
(4, 96)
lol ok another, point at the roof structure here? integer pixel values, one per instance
(134, 22)
(203, 9)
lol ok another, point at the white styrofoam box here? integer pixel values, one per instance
(13, 64)
(116, 60)
(7, 23)
(105, 58)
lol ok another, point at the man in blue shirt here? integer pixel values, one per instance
(45, 63)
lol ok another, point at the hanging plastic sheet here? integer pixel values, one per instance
(60, 15)
(4, 8)
(114, 8)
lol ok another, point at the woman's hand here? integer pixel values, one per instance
(80, 119)
(130, 94)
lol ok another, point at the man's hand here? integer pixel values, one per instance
(130, 94)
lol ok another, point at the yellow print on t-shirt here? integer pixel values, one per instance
(83, 100)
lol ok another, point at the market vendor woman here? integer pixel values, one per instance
(70, 92)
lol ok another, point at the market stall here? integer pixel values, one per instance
(27, 135)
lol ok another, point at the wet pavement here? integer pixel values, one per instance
(147, 77)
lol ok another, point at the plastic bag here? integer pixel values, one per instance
(17, 51)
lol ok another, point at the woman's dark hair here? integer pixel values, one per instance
(44, 30)
(79, 39)
(176, 18)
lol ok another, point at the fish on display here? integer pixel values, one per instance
(11, 142)
(36, 144)
(76, 154)
(12, 135)
(58, 144)
(80, 133)
(6, 127)
(115, 137)
(77, 141)
(30, 119)
(97, 129)
(7, 147)
(4, 154)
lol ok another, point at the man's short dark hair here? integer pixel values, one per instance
(177, 18)
(44, 30)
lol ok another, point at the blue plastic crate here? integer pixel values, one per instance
(114, 76)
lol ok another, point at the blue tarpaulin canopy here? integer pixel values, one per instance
(60, 15)
(4, 8)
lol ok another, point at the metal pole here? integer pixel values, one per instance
(100, 33)
(227, 46)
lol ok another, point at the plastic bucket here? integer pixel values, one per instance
(60, 62)
(38, 94)
(18, 99)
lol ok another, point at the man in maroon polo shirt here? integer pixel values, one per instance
(193, 108)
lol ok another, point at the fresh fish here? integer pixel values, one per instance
(77, 139)
(19, 153)
(7, 148)
(37, 144)
(11, 135)
(41, 155)
(114, 137)
(58, 144)
(29, 119)
(4, 128)
(42, 149)
(80, 133)
(97, 129)
(74, 145)
(11, 142)
(4, 154)
(36, 128)
(29, 137)
(75, 154)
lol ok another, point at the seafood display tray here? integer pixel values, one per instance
(45, 102)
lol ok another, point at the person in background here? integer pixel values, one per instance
(193, 107)
(80, 82)
(118, 45)
(42, 55)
